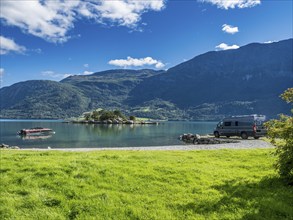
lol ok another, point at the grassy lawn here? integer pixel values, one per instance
(214, 184)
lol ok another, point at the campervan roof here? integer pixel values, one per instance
(254, 117)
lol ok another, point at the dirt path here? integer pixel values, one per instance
(242, 144)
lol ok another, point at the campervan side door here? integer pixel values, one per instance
(227, 128)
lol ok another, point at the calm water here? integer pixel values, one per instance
(81, 135)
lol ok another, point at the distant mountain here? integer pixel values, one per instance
(42, 99)
(242, 81)
(109, 89)
(209, 86)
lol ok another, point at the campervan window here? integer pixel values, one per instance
(244, 123)
(227, 123)
(220, 124)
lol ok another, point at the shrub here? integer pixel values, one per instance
(132, 118)
(106, 115)
(280, 133)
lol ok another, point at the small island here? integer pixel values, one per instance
(101, 116)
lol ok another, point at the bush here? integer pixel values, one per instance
(132, 118)
(280, 133)
(106, 115)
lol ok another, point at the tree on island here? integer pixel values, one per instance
(133, 118)
(103, 115)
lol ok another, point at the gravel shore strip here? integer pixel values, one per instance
(243, 144)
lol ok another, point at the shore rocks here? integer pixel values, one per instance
(197, 139)
(6, 146)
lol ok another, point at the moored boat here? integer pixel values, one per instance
(35, 131)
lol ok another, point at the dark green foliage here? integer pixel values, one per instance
(118, 113)
(42, 99)
(103, 115)
(107, 115)
(95, 115)
(133, 118)
(280, 133)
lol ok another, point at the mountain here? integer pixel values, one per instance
(209, 86)
(109, 89)
(42, 99)
(242, 81)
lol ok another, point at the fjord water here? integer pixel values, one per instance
(70, 135)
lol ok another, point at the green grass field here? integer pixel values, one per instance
(213, 184)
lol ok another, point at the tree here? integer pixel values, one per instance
(118, 113)
(96, 115)
(106, 115)
(132, 118)
(280, 133)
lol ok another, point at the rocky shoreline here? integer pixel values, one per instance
(207, 139)
(6, 146)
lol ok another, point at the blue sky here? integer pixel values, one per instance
(54, 39)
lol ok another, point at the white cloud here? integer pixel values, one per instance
(51, 20)
(52, 74)
(47, 19)
(269, 42)
(229, 29)
(1, 75)
(8, 45)
(224, 46)
(87, 73)
(1, 72)
(38, 50)
(126, 12)
(137, 62)
(58, 76)
(226, 4)
(86, 65)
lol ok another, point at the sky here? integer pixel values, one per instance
(53, 39)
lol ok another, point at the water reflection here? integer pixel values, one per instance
(34, 137)
(113, 129)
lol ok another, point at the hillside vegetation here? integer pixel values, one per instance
(42, 99)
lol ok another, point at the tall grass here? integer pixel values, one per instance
(216, 184)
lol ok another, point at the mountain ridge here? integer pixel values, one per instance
(208, 86)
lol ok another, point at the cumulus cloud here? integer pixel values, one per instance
(1, 75)
(51, 20)
(269, 42)
(229, 29)
(47, 19)
(59, 76)
(224, 46)
(8, 45)
(52, 74)
(149, 61)
(86, 65)
(126, 12)
(87, 73)
(226, 4)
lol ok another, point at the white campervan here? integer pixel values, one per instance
(243, 125)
